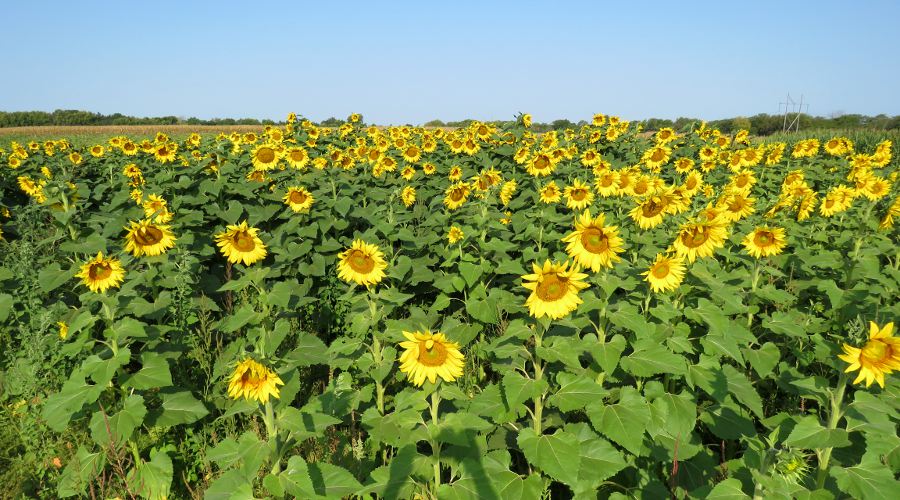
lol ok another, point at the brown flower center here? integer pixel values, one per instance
(764, 238)
(297, 155)
(243, 241)
(432, 353)
(99, 271)
(297, 197)
(652, 208)
(657, 155)
(661, 270)
(360, 262)
(594, 240)
(579, 194)
(552, 287)
(147, 236)
(265, 155)
(877, 351)
(694, 238)
(542, 162)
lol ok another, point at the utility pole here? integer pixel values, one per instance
(790, 106)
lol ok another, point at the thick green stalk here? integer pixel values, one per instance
(834, 416)
(435, 445)
(272, 433)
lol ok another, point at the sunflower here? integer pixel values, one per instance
(101, 273)
(456, 195)
(412, 153)
(264, 157)
(155, 208)
(880, 355)
(297, 157)
(578, 195)
(75, 158)
(550, 193)
(737, 206)
(97, 151)
(607, 183)
(241, 243)
(149, 238)
(765, 241)
(63, 330)
(455, 234)
(656, 156)
(507, 191)
(429, 169)
(592, 244)
(526, 120)
(665, 274)
(430, 355)
(700, 239)
(362, 263)
(540, 164)
(408, 195)
(650, 212)
(252, 380)
(299, 199)
(554, 289)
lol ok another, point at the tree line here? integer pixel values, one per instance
(760, 124)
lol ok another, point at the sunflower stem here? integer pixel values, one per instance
(538, 375)
(272, 434)
(435, 445)
(834, 416)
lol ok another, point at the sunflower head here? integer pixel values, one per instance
(298, 199)
(254, 381)
(101, 273)
(148, 237)
(363, 263)
(665, 274)
(592, 244)
(428, 355)
(241, 243)
(554, 289)
(765, 241)
(878, 357)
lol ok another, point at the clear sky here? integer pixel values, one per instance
(409, 62)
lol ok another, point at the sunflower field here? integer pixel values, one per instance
(476, 313)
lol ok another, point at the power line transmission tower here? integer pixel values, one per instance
(791, 106)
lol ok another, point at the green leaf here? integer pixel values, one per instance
(743, 390)
(470, 272)
(628, 317)
(6, 306)
(153, 479)
(558, 454)
(722, 345)
(80, 470)
(870, 480)
(786, 323)
(120, 426)
(607, 354)
(60, 407)
(764, 359)
(576, 392)
(153, 374)
(304, 424)
(310, 351)
(52, 277)
(650, 358)
(599, 459)
(517, 389)
(247, 453)
(729, 489)
(232, 485)
(180, 408)
(623, 422)
(810, 434)
(243, 316)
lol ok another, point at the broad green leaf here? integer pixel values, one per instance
(650, 358)
(120, 426)
(231, 485)
(728, 489)
(52, 277)
(154, 373)
(80, 470)
(623, 422)
(743, 390)
(869, 480)
(810, 434)
(628, 317)
(180, 408)
(558, 454)
(764, 359)
(153, 479)
(575, 392)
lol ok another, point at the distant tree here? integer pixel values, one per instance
(740, 123)
(331, 122)
(435, 123)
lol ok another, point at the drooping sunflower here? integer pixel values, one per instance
(665, 274)
(700, 239)
(765, 241)
(264, 157)
(156, 208)
(148, 238)
(578, 195)
(550, 193)
(456, 195)
(507, 191)
(430, 355)
(554, 289)
(408, 196)
(101, 273)
(879, 357)
(241, 243)
(455, 234)
(299, 199)
(252, 380)
(592, 244)
(362, 263)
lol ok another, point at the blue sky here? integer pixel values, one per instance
(409, 62)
